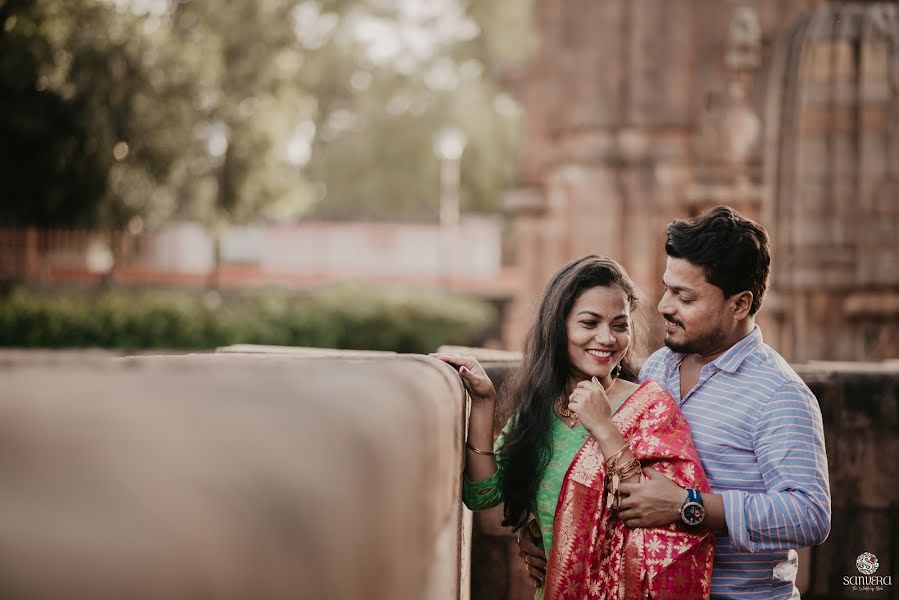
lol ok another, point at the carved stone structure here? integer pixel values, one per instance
(642, 111)
(832, 183)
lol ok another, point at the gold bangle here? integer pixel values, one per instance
(478, 450)
(627, 468)
(614, 458)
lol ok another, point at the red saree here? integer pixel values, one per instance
(594, 557)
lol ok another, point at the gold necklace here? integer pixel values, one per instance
(565, 412)
(568, 413)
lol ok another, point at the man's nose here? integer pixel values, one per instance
(664, 306)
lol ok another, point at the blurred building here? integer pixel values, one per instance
(464, 257)
(639, 112)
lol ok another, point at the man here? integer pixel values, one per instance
(756, 425)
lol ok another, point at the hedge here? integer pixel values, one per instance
(346, 317)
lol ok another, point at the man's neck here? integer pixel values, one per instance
(739, 332)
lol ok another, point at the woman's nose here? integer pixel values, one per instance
(604, 334)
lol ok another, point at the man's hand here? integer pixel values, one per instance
(652, 503)
(530, 546)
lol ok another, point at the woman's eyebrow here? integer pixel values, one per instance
(599, 316)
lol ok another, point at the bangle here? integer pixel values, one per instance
(615, 474)
(614, 458)
(629, 470)
(478, 450)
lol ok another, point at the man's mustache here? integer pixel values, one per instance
(674, 321)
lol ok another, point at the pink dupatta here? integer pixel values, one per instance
(594, 555)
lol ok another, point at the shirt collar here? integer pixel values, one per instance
(729, 360)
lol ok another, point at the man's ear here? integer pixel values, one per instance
(742, 302)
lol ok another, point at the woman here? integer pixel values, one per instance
(582, 426)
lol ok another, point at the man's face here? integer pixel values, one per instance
(696, 312)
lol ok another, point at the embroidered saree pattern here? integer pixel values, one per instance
(594, 555)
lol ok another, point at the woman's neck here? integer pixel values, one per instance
(606, 382)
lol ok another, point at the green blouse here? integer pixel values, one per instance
(487, 493)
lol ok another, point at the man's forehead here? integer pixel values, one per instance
(683, 273)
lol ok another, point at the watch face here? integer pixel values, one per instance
(692, 513)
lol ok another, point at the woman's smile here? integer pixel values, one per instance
(600, 356)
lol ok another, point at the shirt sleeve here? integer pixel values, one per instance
(795, 510)
(653, 368)
(644, 373)
(486, 493)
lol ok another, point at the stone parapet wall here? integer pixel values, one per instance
(231, 476)
(860, 407)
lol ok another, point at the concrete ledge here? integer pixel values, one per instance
(296, 350)
(231, 476)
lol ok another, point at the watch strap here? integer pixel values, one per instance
(693, 495)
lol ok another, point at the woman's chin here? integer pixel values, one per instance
(598, 372)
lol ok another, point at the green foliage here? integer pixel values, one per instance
(347, 317)
(249, 109)
(377, 121)
(48, 169)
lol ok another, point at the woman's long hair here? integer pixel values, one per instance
(544, 373)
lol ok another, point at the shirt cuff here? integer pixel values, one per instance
(735, 517)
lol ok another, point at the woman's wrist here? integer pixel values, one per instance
(605, 430)
(484, 404)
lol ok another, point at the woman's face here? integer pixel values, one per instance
(598, 330)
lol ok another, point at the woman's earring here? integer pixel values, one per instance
(618, 371)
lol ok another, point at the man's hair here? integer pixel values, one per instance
(732, 249)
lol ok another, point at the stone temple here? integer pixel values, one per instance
(642, 111)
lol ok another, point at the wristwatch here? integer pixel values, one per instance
(692, 512)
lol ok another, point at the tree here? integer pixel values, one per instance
(48, 166)
(405, 72)
(271, 109)
(93, 130)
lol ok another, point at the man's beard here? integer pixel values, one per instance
(704, 344)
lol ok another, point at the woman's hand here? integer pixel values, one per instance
(475, 379)
(589, 402)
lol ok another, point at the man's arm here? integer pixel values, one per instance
(794, 511)
(530, 549)
(789, 448)
(657, 501)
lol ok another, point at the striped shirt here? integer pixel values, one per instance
(759, 434)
